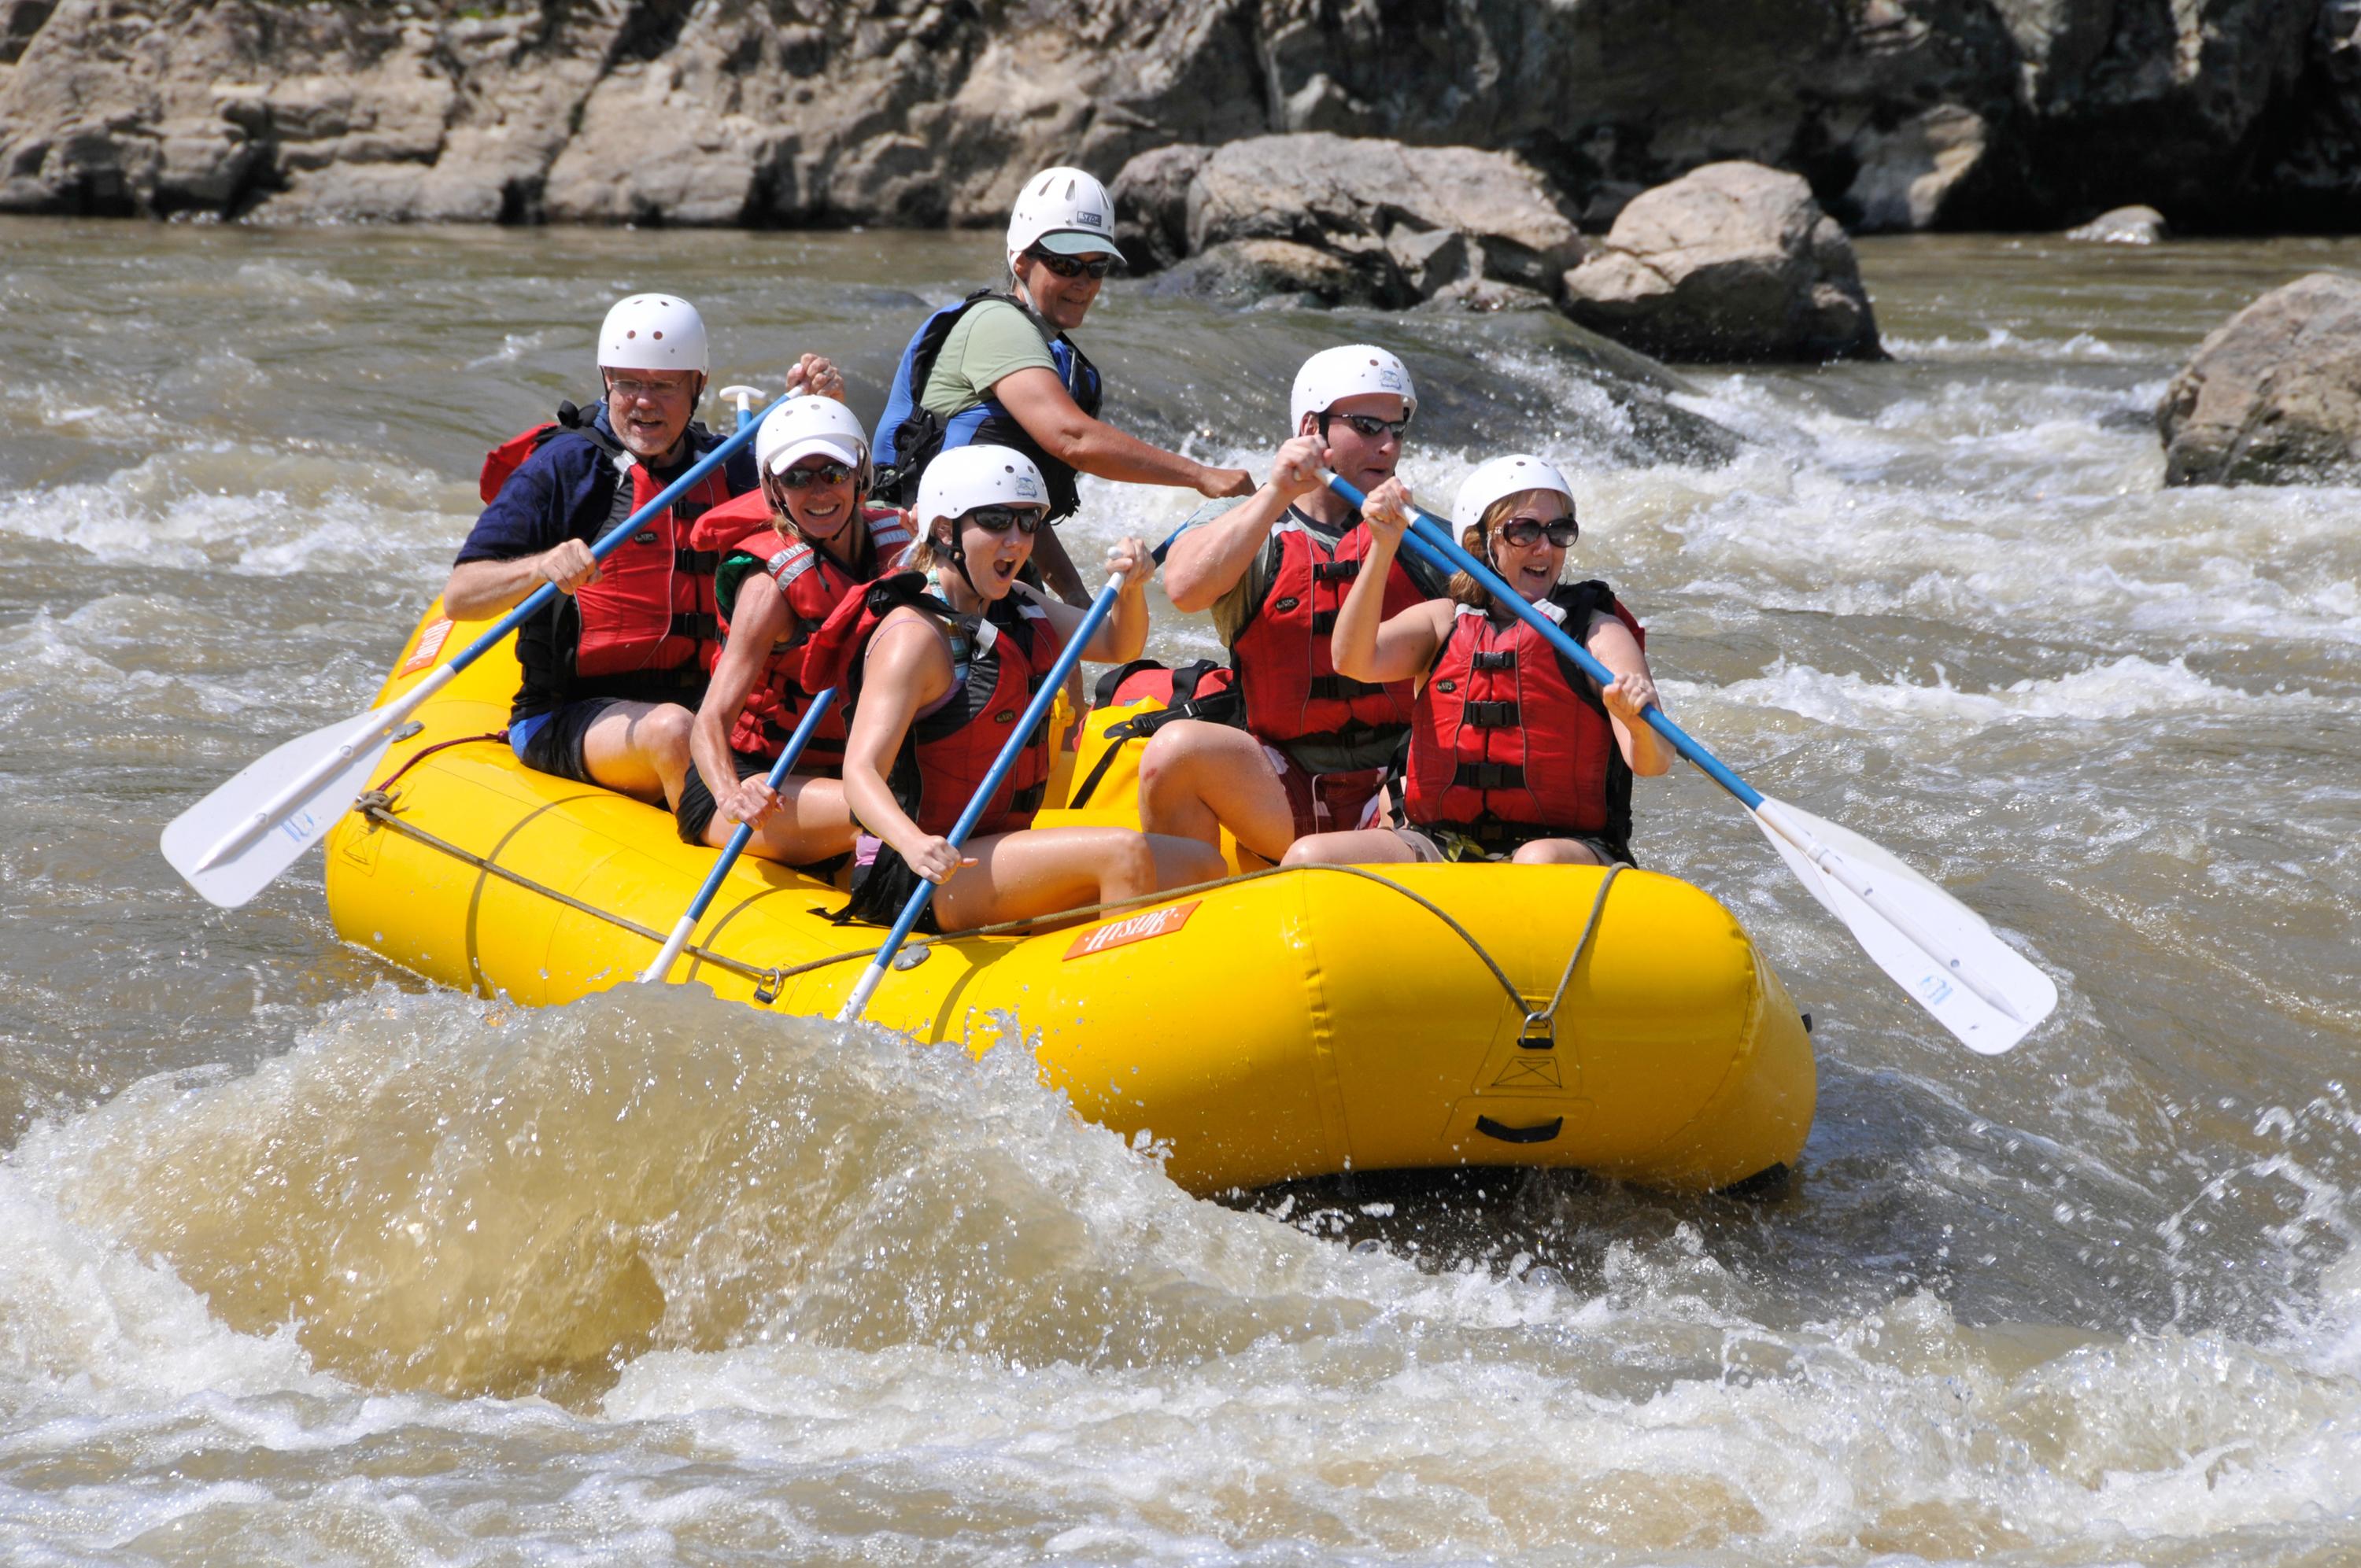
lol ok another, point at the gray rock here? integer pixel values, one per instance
(1731, 263)
(1907, 176)
(2125, 226)
(1356, 196)
(1241, 272)
(1487, 296)
(1151, 206)
(2024, 113)
(2273, 396)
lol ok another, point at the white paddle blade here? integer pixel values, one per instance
(194, 836)
(1984, 991)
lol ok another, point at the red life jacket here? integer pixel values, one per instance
(641, 629)
(1509, 737)
(813, 583)
(1282, 650)
(999, 661)
(652, 607)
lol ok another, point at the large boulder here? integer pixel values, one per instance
(1424, 217)
(1731, 263)
(2273, 396)
(1151, 206)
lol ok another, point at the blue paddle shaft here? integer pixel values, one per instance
(540, 597)
(1432, 542)
(1035, 712)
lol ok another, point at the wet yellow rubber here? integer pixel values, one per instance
(1293, 1026)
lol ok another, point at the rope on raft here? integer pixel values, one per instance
(377, 803)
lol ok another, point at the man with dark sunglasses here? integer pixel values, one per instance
(998, 370)
(1316, 746)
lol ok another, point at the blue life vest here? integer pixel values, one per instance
(909, 435)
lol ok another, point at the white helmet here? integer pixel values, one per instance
(804, 426)
(1331, 376)
(1065, 211)
(652, 332)
(1504, 477)
(966, 477)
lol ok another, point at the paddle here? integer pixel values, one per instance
(1934, 947)
(738, 842)
(229, 848)
(1035, 712)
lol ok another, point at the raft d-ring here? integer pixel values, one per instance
(412, 729)
(766, 989)
(1540, 1032)
(914, 955)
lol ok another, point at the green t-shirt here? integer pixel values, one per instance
(993, 340)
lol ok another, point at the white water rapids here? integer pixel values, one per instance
(303, 1262)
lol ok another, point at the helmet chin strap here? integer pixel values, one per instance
(957, 552)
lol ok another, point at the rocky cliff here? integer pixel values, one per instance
(1902, 114)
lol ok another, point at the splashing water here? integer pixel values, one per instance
(304, 1262)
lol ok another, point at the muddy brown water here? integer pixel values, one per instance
(302, 1260)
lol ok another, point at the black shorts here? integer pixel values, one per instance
(880, 889)
(556, 744)
(694, 813)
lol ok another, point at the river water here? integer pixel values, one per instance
(300, 1261)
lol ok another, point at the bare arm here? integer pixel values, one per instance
(479, 590)
(1364, 646)
(1207, 561)
(1124, 633)
(1633, 689)
(760, 617)
(907, 665)
(1050, 416)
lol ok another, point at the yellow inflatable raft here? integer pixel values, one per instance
(1285, 1025)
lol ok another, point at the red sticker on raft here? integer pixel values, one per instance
(1135, 928)
(430, 648)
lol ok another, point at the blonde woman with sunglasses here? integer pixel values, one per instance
(1514, 754)
(789, 553)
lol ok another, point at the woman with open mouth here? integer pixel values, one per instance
(938, 662)
(1514, 753)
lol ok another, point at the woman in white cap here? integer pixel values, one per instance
(789, 553)
(1316, 744)
(938, 664)
(1515, 755)
(998, 370)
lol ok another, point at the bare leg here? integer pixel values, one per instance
(640, 749)
(1557, 852)
(1363, 847)
(1197, 778)
(811, 824)
(1020, 876)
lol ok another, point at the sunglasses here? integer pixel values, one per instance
(1525, 532)
(631, 389)
(1368, 427)
(1026, 520)
(825, 473)
(1072, 266)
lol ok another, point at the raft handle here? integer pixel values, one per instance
(1540, 1134)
